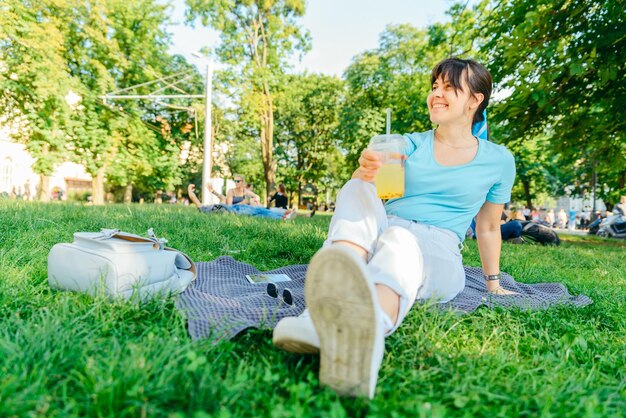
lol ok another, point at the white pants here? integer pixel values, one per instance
(416, 260)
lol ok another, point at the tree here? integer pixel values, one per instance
(174, 123)
(114, 44)
(53, 50)
(258, 37)
(34, 80)
(307, 117)
(564, 63)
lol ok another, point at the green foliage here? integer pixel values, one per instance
(307, 117)
(34, 78)
(258, 37)
(52, 48)
(559, 67)
(65, 354)
(127, 142)
(564, 63)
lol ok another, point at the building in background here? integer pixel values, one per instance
(17, 177)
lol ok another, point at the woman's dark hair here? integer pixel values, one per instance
(476, 75)
(281, 188)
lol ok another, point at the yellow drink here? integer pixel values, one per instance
(390, 181)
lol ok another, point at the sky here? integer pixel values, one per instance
(340, 29)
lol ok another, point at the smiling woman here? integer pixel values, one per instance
(409, 248)
(465, 78)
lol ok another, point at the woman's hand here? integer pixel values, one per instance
(369, 164)
(191, 189)
(494, 288)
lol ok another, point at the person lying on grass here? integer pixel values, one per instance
(239, 208)
(378, 259)
(238, 195)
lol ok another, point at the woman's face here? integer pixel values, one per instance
(446, 105)
(238, 182)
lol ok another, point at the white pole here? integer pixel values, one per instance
(206, 167)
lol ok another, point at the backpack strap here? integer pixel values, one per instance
(158, 243)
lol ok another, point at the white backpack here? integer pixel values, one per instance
(119, 264)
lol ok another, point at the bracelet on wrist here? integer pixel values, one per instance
(493, 277)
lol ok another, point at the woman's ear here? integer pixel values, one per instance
(477, 100)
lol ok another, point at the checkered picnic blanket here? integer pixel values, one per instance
(221, 302)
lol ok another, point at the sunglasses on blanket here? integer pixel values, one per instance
(286, 297)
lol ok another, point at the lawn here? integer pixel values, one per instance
(64, 354)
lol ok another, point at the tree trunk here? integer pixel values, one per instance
(299, 194)
(97, 188)
(267, 142)
(128, 194)
(43, 189)
(529, 200)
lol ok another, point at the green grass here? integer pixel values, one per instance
(65, 354)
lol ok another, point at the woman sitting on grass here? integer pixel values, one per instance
(240, 194)
(280, 197)
(239, 208)
(377, 260)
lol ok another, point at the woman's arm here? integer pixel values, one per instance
(229, 197)
(220, 196)
(489, 244)
(253, 198)
(192, 195)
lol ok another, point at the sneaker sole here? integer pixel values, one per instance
(296, 347)
(342, 307)
(289, 337)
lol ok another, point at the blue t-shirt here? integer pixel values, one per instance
(450, 196)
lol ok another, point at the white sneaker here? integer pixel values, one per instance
(296, 334)
(344, 309)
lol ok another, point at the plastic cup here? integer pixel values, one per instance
(390, 178)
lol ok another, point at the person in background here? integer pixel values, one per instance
(562, 219)
(27, 190)
(550, 218)
(239, 208)
(255, 200)
(239, 195)
(280, 197)
(572, 219)
(585, 218)
(534, 215)
(517, 215)
(620, 208)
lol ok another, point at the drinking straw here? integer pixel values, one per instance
(388, 122)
